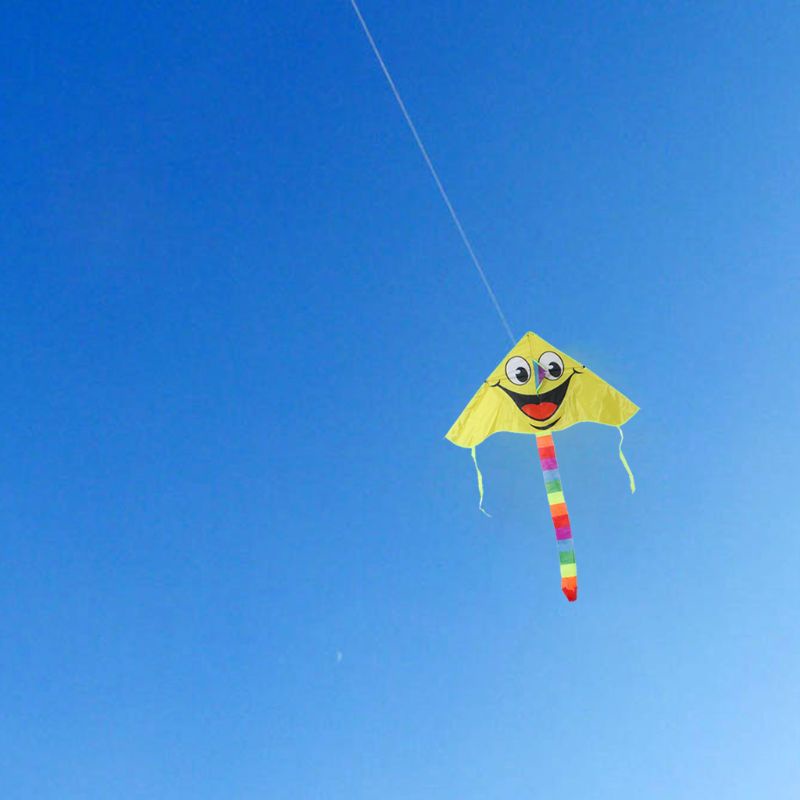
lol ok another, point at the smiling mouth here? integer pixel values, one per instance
(540, 407)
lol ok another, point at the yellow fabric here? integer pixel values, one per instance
(569, 570)
(498, 404)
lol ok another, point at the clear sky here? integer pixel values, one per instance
(238, 558)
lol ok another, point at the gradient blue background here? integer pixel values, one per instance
(238, 559)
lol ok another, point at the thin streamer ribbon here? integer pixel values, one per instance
(625, 461)
(480, 482)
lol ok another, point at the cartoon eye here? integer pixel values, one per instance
(518, 370)
(552, 365)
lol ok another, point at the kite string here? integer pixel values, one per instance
(434, 173)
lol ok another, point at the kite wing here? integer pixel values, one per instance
(538, 389)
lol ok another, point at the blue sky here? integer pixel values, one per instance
(238, 558)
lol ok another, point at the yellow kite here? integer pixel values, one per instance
(537, 389)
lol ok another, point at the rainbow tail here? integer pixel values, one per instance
(560, 515)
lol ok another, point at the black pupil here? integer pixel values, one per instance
(555, 369)
(521, 373)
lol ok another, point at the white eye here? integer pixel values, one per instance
(552, 365)
(518, 370)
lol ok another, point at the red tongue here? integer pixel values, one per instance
(539, 410)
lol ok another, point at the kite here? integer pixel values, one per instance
(538, 390)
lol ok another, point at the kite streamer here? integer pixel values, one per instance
(480, 483)
(625, 463)
(560, 515)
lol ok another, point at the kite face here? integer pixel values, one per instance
(538, 389)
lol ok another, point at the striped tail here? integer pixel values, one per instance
(558, 511)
